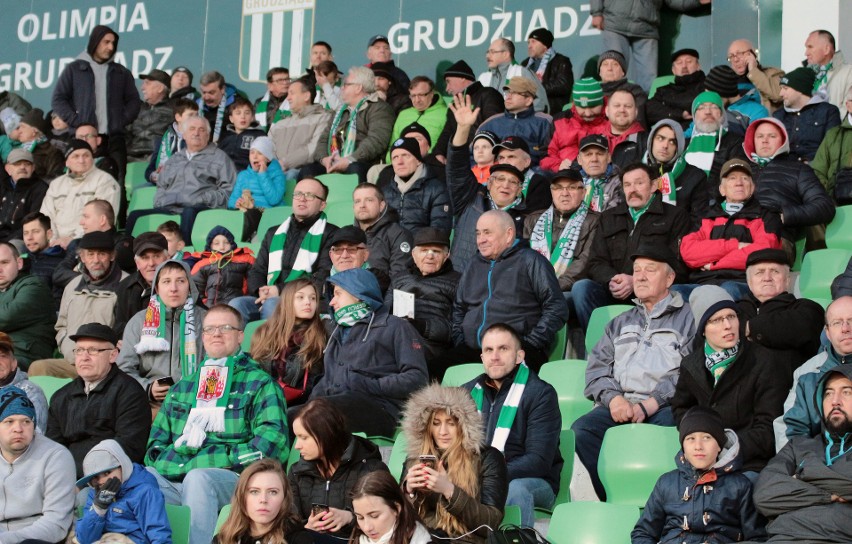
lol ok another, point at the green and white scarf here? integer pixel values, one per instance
(351, 314)
(168, 145)
(667, 182)
(509, 408)
(541, 239)
(306, 256)
(153, 337)
(525, 183)
(220, 116)
(280, 113)
(29, 146)
(730, 208)
(322, 98)
(595, 197)
(636, 214)
(702, 148)
(718, 361)
(212, 389)
(758, 160)
(821, 75)
(348, 144)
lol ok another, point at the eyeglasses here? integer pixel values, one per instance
(299, 195)
(563, 188)
(221, 329)
(736, 55)
(838, 323)
(505, 180)
(347, 249)
(91, 351)
(731, 318)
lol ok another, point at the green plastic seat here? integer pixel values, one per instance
(800, 253)
(567, 447)
(179, 520)
(223, 515)
(633, 457)
(397, 456)
(249, 331)
(340, 213)
(591, 522)
(289, 189)
(149, 223)
(142, 199)
(49, 384)
(340, 187)
(293, 457)
(824, 302)
(272, 217)
(658, 82)
(598, 321)
(461, 374)
(511, 515)
(134, 176)
(558, 351)
(838, 233)
(568, 377)
(208, 219)
(819, 269)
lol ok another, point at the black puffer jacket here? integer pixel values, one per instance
(488, 100)
(16, 201)
(670, 101)
(150, 125)
(425, 204)
(309, 487)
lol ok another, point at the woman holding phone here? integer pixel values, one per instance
(383, 514)
(332, 461)
(457, 485)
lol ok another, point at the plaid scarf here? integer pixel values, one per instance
(702, 147)
(306, 256)
(212, 386)
(717, 361)
(542, 64)
(153, 337)
(510, 406)
(541, 238)
(351, 314)
(348, 146)
(280, 113)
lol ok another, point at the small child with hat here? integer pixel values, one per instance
(124, 499)
(706, 499)
(221, 271)
(482, 151)
(261, 185)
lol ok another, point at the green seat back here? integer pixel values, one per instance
(567, 447)
(558, 351)
(272, 217)
(598, 322)
(800, 253)
(149, 223)
(249, 331)
(658, 82)
(633, 457)
(179, 521)
(819, 269)
(134, 176)
(142, 199)
(511, 515)
(49, 384)
(340, 213)
(838, 233)
(568, 377)
(290, 188)
(223, 515)
(824, 302)
(591, 522)
(340, 187)
(461, 374)
(208, 219)
(293, 458)
(397, 456)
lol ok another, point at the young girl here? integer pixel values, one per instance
(481, 150)
(706, 499)
(290, 344)
(259, 186)
(221, 272)
(383, 514)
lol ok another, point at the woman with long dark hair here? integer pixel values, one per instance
(383, 514)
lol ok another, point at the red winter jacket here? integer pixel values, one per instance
(567, 133)
(615, 139)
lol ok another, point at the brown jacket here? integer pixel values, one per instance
(577, 269)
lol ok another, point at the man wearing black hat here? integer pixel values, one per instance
(155, 116)
(783, 328)
(424, 139)
(89, 298)
(388, 243)
(20, 194)
(180, 85)
(600, 176)
(101, 393)
(806, 115)
(149, 250)
(515, 151)
(387, 85)
(378, 50)
(348, 249)
(459, 78)
(674, 101)
(553, 69)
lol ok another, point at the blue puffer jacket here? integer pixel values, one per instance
(267, 188)
(689, 507)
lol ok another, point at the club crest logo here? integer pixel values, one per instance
(275, 33)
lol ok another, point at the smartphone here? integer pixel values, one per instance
(317, 509)
(168, 380)
(429, 460)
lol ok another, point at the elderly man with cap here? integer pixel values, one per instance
(20, 194)
(716, 252)
(711, 144)
(612, 71)
(89, 298)
(600, 176)
(32, 132)
(725, 372)
(674, 101)
(633, 369)
(180, 85)
(433, 282)
(12, 375)
(149, 250)
(388, 242)
(155, 115)
(100, 393)
(415, 192)
(424, 141)
(68, 193)
(806, 115)
(553, 69)
(585, 117)
(742, 103)
(783, 329)
(347, 250)
(520, 119)
(38, 502)
(428, 110)
(514, 151)
(502, 68)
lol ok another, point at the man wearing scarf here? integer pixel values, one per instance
(805, 488)
(833, 75)
(502, 67)
(711, 145)
(216, 96)
(600, 177)
(224, 414)
(513, 150)
(273, 106)
(553, 69)
(724, 373)
(521, 416)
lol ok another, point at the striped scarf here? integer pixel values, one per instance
(821, 75)
(306, 256)
(212, 389)
(348, 145)
(29, 146)
(220, 117)
(667, 182)
(280, 113)
(510, 406)
(542, 65)
(172, 141)
(702, 148)
(718, 361)
(541, 239)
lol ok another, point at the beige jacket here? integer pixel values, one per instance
(66, 197)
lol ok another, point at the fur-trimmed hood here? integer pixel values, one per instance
(456, 402)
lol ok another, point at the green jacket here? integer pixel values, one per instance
(27, 315)
(836, 146)
(374, 124)
(255, 426)
(433, 120)
(637, 18)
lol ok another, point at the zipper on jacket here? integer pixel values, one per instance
(485, 307)
(327, 486)
(172, 341)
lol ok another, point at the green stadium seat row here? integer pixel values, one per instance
(49, 384)
(819, 268)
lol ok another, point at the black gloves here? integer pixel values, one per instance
(105, 496)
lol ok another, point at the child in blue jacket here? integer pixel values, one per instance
(259, 186)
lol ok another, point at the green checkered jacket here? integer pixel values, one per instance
(255, 426)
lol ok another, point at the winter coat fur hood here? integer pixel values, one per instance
(456, 402)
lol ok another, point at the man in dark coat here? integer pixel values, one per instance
(806, 115)
(149, 250)
(20, 194)
(674, 101)
(553, 69)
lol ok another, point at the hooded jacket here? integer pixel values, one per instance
(807, 127)
(27, 315)
(267, 187)
(670, 101)
(744, 111)
(222, 276)
(426, 202)
(153, 365)
(34, 393)
(309, 487)
(487, 507)
(692, 507)
(795, 488)
(74, 95)
(139, 510)
(380, 355)
(787, 186)
(238, 145)
(567, 133)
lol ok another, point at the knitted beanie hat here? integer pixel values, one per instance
(706, 300)
(407, 144)
(14, 402)
(587, 93)
(722, 80)
(707, 97)
(616, 56)
(699, 419)
(264, 145)
(801, 79)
